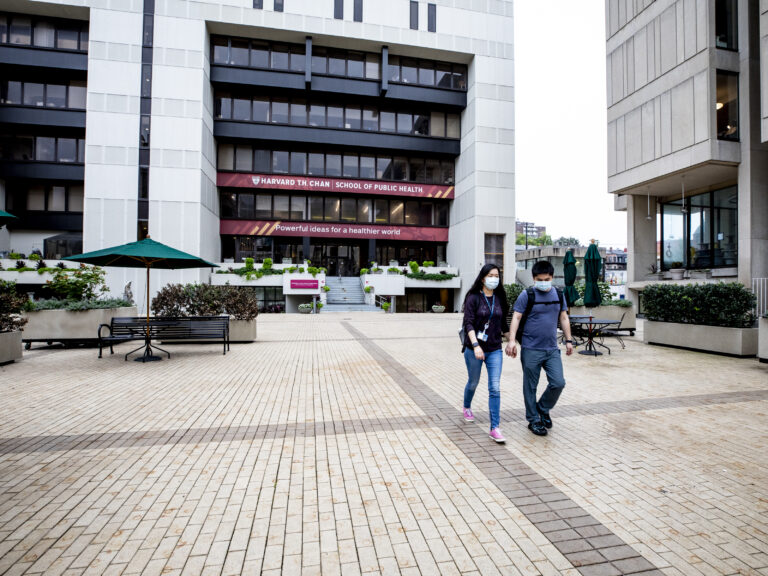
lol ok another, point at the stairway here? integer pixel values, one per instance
(345, 295)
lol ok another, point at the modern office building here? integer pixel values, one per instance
(687, 158)
(340, 131)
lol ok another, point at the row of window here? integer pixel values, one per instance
(338, 10)
(299, 112)
(431, 16)
(70, 95)
(47, 199)
(259, 5)
(265, 206)
(42, 149)
(44, 33)
(348, 64)
(244, 158)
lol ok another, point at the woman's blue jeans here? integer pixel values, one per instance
(493, 367)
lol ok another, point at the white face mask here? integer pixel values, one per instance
(491, 283)
(543, 285)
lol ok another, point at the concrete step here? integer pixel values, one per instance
(349, 308)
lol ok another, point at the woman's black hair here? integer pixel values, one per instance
(477, 288)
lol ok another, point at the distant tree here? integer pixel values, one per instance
(545, 240)
(567, 241)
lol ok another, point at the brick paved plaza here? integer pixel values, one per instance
(334, 445)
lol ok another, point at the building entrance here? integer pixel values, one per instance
(340, 259)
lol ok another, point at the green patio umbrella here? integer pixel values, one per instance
(569, 272)
(143, 254)
(592, 263)
(6, 217)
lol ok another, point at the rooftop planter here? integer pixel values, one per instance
(716, 318)
(32, 270)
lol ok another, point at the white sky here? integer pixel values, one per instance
(560, 121)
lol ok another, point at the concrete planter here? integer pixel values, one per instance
(762, 351)
(719, 340)
(609, 313)
(10, 347)
(676, 273)
(242, 330)
(438, 309)
(63, 325)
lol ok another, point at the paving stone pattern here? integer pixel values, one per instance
(335, 446)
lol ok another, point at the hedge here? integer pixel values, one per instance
(722, 304)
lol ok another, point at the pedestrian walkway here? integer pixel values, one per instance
(335, 445)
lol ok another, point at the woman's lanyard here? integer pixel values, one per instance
(491, 309)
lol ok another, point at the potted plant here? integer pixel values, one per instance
(242, 305)
(676, 270)
(654, 272)
(762, 338)
(717, 318)
(438, 308)
(11, 322)
(385, 306)
(305, 308)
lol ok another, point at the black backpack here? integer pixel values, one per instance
(529, 306)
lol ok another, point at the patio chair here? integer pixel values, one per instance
(612, 331)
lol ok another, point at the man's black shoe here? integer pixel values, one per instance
(537, 428)
(545, 419)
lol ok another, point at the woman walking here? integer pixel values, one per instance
(485, 321)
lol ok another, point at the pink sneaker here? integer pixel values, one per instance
(497, 436)
(468, 416)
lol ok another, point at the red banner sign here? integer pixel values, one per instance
(323, 230)
(305, 284)
(311, 184)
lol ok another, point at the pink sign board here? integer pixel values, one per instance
(323, 230)
(313, 184)
(305, 284)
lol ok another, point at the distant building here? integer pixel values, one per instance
(533, 230)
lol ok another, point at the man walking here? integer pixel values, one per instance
(534, 323)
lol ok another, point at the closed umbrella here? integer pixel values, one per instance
(569, 272)
(6, 217)
(143, 254)
(592, 264)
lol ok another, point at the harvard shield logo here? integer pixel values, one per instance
(256, 180)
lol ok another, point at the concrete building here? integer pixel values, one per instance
(687, 158)
(340, 131)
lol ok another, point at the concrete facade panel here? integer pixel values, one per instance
(633, 138)
(682, 115)
(648, 131)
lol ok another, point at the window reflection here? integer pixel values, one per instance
(727, 105)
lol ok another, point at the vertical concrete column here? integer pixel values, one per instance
(641, 237)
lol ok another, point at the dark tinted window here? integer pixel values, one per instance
(298, 59)
(259, 55)
(319, 61)
(409, 73)
(66, 150)
(298, 163)
(396, 208)
(67, 38)
(414, 15)
(353, 118)
(338, 9)
(238, 53)
(316, 164)
(333, 165)
(335, 117)
(387, 120)
(351, 166)
(432, 17)
(281, 206)
(245, 205)
(280, 57)
(33, 94)
(317, 115)
(279, 112)
(220, 51)
(368, 167)
(261, 110)
(337, 63)
(280, 162)
(356, 65)
(358, 14)
(45, 149)
(56, 96)
(262, 160)
(299, 112)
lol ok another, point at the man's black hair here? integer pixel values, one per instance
(542, 267)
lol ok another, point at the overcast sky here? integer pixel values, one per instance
(560, 121)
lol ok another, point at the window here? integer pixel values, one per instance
(280, 57)
(494, 250)
(260, 110)
(437, 125)
(11, 92)
(149, 25)
(238, 52)
(409, 71)
(367, 167)
(447, 173)
(404, 123)
(426, 73)
(66, 150)
(75, 199)
(317, 115)
(370, 119)
(332, 209)
(352, 118)
(333, 165)
(356, 65)
(279, 111)
(45, 149)
(396, 209)
(281, 206)
(278, 5)
(421, 124)
(726, 24)
(259, 54)
(452, 129)
(220, 50)
(381, 211)
(459, 77)
(432, 17)
(262, 160)
(335, 117)
(316, 208)
(337, 64)
(394, 68)
(36, 198)
(228, 205)
(45, 34)
(384, 168)
(348, 210)
(399, 169)
(414, 15)
(33, 94)
(412, 213)
(146, 80)
(56, 96)
(298, 59)
(443, 75)
(57, 199)
(263, 206)
(319, 61)
(372, 66)
(298, 163)
(20, 31)
(425, 214)
(3, 29)
(299, 112)
(673, 239)
(81, 150)
(316, 164)
(245, 206)
(23, 148)
(67, 38)
(241, 109)
(144, 127)
(358, 11)
(280, 163)
(387, 122)
(258, 4)
(416, 170)
(226, 159)
(243, 158)
(77, 93)
(364, 210)
(298, 208)
(338, 9)
(727, 105)
(350, 166)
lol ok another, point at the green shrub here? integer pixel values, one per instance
(424, 276)
(326, 288)
(513, 291)
(267, 263)
(83, 283)
(367, 289)
(363, 271)
(35, 257)
(11, 306)
(721, 304)
(605, 291)
(15, 255)
(249, 263)
(427, 263)
(312, 270)
(385, 306)
(240, 302)
(394, 270)
(77, 305)
(414, 266)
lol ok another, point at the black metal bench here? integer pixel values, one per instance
(126, 329)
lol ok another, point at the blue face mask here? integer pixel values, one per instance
(543, 285)
(491, 283)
